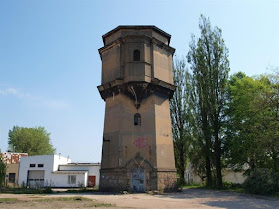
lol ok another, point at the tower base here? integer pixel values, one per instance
(117, 180)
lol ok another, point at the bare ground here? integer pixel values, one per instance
(189, 198)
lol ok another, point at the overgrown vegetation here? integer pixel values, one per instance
(224, 122)
(262, 181)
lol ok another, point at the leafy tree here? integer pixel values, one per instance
(208, 58)
(34, 141)
(181, 116)
(2, 171)
(252, 134)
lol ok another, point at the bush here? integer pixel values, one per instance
(47, 190)
(261, 181)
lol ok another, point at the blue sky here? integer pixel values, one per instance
(50, 66)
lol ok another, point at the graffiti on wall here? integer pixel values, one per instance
(11, 158)
(141, 142)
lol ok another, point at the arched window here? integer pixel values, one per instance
(137, 119)
(136, 55)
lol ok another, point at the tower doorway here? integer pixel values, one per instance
(138, 179)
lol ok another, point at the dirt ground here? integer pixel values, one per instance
(189, 198)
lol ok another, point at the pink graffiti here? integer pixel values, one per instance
(141, 142)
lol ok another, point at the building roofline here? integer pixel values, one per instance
(81, 164)
(137, 27)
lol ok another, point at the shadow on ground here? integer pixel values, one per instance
(225, 199)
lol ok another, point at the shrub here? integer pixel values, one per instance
(47, 190)
(261, 181)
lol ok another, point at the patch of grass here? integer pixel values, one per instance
(8, 200)
(194, 186)
(9, 190)
(105, 205)
(82, 190)
(63, 199)
(227, 186)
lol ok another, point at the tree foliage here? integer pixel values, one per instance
(252, 134)
(181, 116)
(34, 141)
(2, 171)
(220, 122)
(208, 58)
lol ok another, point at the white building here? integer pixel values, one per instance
(57, 171)
(228, 175)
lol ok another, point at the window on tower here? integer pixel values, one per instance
(136, 55)
(137, 119)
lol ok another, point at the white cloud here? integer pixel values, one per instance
(36, 100)
(8, 91)
(13, 91)
(57, 105)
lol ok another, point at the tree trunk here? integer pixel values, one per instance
(218, 163)
(207, 136)
(182, 167)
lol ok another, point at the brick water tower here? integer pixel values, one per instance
(137, 83)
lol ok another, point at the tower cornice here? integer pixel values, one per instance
(118, 86)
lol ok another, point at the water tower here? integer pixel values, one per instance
(137, 83)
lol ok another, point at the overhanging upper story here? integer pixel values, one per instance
(137, 54)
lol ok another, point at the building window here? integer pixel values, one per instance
(72, 179)
(136, 55)
(137, 119)
(40, 165)
(32, 165)
(11, 177)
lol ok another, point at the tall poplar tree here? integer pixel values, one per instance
(208, 58)
(181, 116)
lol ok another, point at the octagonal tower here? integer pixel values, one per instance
(137, 83)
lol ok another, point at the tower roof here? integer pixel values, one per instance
(137, 27)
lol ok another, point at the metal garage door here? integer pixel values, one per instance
(36, 179)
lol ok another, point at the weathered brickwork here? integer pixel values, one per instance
(120, 180)
(167, 180)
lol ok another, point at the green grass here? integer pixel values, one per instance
(63, 199)
(82, 190)
(227, 186)
(90, 202)
(10, 190)
(8, 200)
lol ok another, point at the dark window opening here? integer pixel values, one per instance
(40, 165)
(32, 165)
(11, 177)
(136, 55)
(72, 179)
(137, 119)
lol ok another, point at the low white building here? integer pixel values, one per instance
(57, 171)
(228, 175)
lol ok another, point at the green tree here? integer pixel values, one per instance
(252, 134)
(2, 171)
(208, 58)
(181, 116)
(34, 141)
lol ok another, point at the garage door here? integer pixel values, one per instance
(36, 179)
